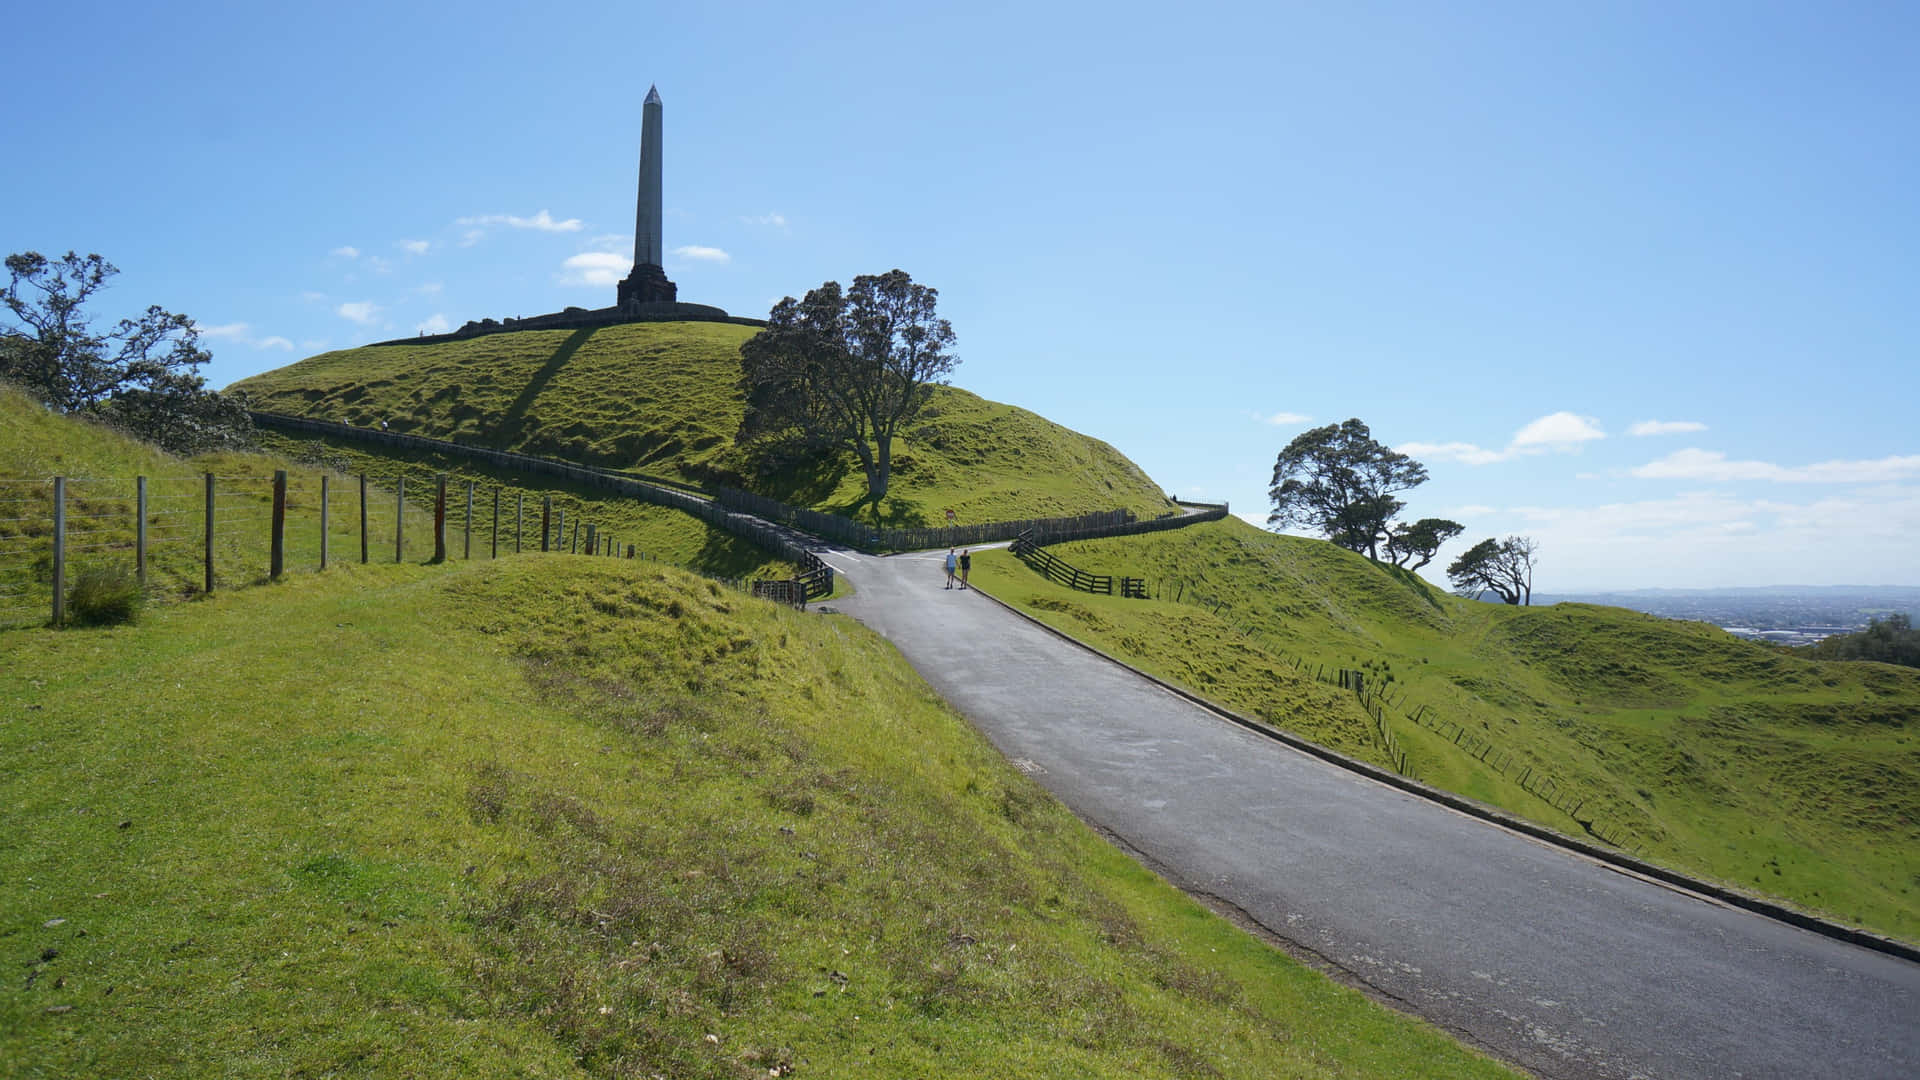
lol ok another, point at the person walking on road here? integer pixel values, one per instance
(951, 564)
(966, 564)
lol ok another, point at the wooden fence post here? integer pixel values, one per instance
(546, 520)
(209, 537)
(575, 547)
(496, 523)
(593, 544)
(467, 544)
(59, 551)
(399, 514)
(277, 558)
(440, 519)
(140, 530)
(323, 521)
(363, 519)
(519, 504)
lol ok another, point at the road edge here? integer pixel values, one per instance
(1776, 911)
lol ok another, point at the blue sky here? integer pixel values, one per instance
(1638, 280)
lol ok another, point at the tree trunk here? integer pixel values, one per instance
(881, 471)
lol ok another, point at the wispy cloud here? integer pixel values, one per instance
(1282, 419)
(702, 254)
(1561, 431)
(346, 252)
(471, 237)
(542, 221)
(1665, 427)
(609, 242)
(242, 334)
(312, 297)
(435, 323)
(363, 312)
(415, 247)
(1558, 430)
(1713, 466)
(777, 220)
(430, 288)
(595, 268)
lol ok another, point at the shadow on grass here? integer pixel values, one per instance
(1413, 581)
(511, 428)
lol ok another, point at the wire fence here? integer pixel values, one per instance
(183, 536)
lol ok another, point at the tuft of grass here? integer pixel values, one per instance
(1787, 777)
(104, 594)
(584, 818)
(661, 399)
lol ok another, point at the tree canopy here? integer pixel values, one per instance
(1891, 640)
(140, 375)
(845, 371)
(1503, 567)
(1339, 480)
(1420, 540)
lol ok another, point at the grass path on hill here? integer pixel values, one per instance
(563, 818)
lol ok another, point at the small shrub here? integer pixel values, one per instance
(104, 595)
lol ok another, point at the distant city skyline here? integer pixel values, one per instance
(1635, 281)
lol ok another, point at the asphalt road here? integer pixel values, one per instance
(1545, 959)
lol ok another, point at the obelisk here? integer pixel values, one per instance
(648, 283)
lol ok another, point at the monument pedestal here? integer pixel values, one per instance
(647, 284)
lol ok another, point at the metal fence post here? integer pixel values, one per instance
(140, 530)
(278, 545)
(323, 521)
(59, 551)
(209, 537)
(399, 514)
(440, 519)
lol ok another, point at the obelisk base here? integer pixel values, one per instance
(647, 284)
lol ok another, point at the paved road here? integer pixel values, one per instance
(1548, 960)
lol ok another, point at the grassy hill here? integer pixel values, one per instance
(101, 465)
(659, 398)
(1789, 777)
(576, 818)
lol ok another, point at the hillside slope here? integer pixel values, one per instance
(584, 818)
(659, 398)
(1790, 777)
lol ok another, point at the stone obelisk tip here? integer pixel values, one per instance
(653, 96)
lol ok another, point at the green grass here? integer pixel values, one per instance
(659, 399)
(571, 817)
(101, 464)
(1782, 776)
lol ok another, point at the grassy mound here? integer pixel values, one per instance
(571, 817)
(659, 399)
(1729, 759)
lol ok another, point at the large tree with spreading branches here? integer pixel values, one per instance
(1504, 567)
(1339, 480)
(140, 375)
(846, 370)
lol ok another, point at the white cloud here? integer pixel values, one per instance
(415, 247)
(1665, 427)
(242, 334)
(360, 311)
(777, 220)
(380, 264)
(347, 252)
(595, 268)
(542, 221)
(435, 323)
(471, 237)
(312, 297)
(1558, 430)
(702, 254)
(1283, 419)
(431, 288)
(1562, 431)
(1463, 452)
(610, 242)
(1712, 465)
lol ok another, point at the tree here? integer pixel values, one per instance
(1504, 567)
(846, 371)
(1421, 540)
(1338, 480)
(1891, 640)
(140, 375)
